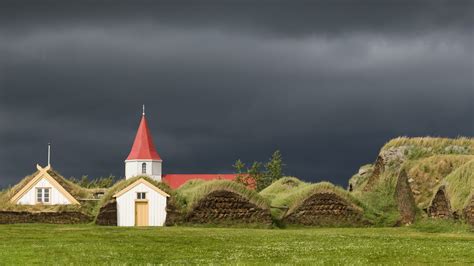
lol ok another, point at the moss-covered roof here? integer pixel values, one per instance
(427, 174)
(191, 193)
(282, 188)
(120, 185)
(359, 180)
(296, 199)
(459, 185)
(75, 190)
(460, 145)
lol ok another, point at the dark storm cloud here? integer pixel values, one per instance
(326, 83)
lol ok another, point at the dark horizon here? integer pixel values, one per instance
(325, 83)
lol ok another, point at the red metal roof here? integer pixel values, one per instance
(143, 147)
(176, 180)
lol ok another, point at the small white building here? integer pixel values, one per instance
(141, 204)
(43, 189)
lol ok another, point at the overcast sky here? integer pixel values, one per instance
(327, 84)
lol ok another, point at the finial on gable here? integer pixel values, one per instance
(143, 113)
(43, 169)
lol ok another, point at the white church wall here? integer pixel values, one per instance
(56, 197)
(134, 168)
(156, 170)
(126, 206)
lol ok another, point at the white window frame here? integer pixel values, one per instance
(143, 168)
(141, 196)
(40, 195)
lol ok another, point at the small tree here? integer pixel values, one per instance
(239, 167)
(274, 168)
(255, 174)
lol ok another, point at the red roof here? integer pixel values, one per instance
(176, 180)
(143, 147)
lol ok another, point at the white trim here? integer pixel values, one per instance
(143, 160)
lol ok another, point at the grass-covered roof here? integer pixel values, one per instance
(120, 185)
(359, 180)
(289, 193)
(296, 199)
(193, 191)
(459, 185)
(75, 190)
(426, 174)
(460, 145)
(282, 188)
(427, 162)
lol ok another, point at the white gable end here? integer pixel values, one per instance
(126, 206)
(56, 197)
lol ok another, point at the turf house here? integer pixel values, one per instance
(43, 189)
(141, 204)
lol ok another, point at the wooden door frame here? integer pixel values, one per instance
(147, 212)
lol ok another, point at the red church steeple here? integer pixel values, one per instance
(143, 147)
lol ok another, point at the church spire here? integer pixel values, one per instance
(143, 147)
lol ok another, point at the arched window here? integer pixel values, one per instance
(143, 168)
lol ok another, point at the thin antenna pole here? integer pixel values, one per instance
(49, 153)
(143, 113)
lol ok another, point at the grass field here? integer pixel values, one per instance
(88, 244)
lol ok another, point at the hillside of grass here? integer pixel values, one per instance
(193, 191)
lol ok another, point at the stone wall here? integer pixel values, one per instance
(224, 206)
(326, 209)
(13, 217)
(405, 200)
(440, 206)
(107, 214)
(393, 158)
(374, 177)
(173, 214)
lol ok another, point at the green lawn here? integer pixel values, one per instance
(88, 244)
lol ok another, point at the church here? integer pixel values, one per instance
(144, 159)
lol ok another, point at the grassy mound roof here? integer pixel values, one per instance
(427, 174)
(290, 193)
(120, 185)
(193, 191)
(426, 160)
(434, 145)
(282, 188)
(359, 180)
(460, 185)
(296, 199)
(75, 190)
